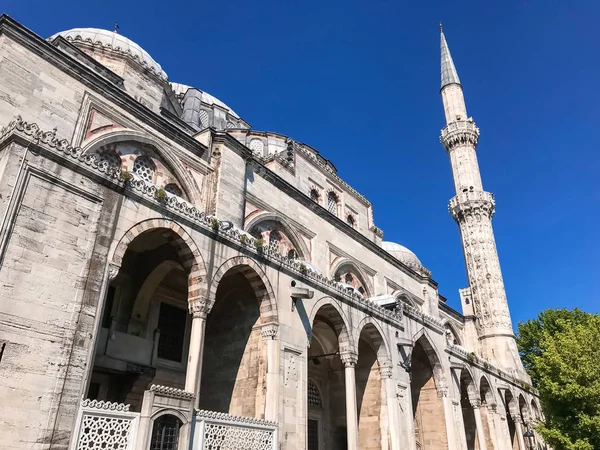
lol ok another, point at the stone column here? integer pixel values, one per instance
(193, 373)
(386, 372)
(350, 359)
(476, 405)
(269, 333)
(519, 431)
(442, 393)
(493, 418)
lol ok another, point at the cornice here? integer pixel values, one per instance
(451, 312)
(96, 82)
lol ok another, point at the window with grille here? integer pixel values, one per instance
(332, 203)
(108, 158)
(313, 434)
(144, 168)
(172, 188)
(292, 254)
(274, 238)
(314, 396)
(171, 323)
(165, 433)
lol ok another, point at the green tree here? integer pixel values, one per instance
(561, 352)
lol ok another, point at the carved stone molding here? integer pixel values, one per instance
(469, 204)
(102, 405)
(269, 330)
(462, 132)
(442, 391)
(349, 359)
(475, 403)
(203, 414)
(171, 392)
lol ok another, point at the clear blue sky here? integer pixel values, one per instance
(359, 81)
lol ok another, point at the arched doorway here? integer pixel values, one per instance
(369, 389)
(468, 393)
(144, 334)
(234, 356)
(327, 422)
(428, 409)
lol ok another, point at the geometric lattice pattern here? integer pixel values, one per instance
(144, 168)
(172, 188)
(99, 433)
(203, 119)
(314, 397)
(107, 158)
(257, 146)
(332, 203)
(218, 436)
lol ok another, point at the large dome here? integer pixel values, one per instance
(401, 253)
(116, 42)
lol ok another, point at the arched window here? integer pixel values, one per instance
(292, 254)
(314, 396)
(274, 238)
(165, 433)
(349, 278)
(361, 290)
(144, 168)
(314, 195)
(107, 158)
(332, 203)
(172, 188)
(350, 220)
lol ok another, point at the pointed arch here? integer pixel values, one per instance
(364, 280)
(448, 325)
(376, 339)
(188, 184)
(257, 278)
(335, 315)
(486, 392)
(466, 377)
(434, 358)
(184, 245)
(289, 230)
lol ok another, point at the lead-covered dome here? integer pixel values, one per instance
(116, 42)
(401, 253)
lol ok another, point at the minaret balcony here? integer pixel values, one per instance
(469, 202)
(460, 132)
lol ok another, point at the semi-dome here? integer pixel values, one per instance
(401, 253)
(115, 41)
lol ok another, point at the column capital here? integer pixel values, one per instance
(475, 403)
(386, 370)
(349, 358)
(113, 271)
(198, 307)
(442, 391)
(269, 330)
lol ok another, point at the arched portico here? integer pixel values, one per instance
(470, 403)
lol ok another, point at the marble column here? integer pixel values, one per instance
(519, 432)
(386, 371)
(442, 393)
(476, 405)
(350, 359)
(269, 333)
(198, 307)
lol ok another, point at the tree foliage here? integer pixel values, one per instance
(561, 352)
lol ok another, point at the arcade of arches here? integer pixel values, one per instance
(145, 339)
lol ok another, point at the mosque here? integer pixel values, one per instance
(171, 278)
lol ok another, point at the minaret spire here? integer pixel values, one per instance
(449, 73)
(484, 301)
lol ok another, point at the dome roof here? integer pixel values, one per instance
(181, 89)
(116, 42)
(401, 253)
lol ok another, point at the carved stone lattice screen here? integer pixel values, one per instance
(105, 425)
(218, 431)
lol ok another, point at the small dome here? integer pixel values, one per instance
(180, 90)
(401, 253)
(116, 42)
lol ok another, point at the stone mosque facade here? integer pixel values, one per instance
(171, 278)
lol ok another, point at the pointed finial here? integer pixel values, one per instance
(441, 29)
(116, 28)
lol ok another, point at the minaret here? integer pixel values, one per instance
(484, 301)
